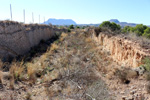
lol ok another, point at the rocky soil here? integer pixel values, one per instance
(74, 67)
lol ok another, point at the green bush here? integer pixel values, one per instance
(106, 24)
(128, 29)
(69, 30)
(71, 26)
(115, 26)
(78, 27)
(139, 29)
(112, 26)
(147, 32)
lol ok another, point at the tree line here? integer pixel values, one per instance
(139, 30)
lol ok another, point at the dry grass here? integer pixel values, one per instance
(31, 71)
(143, 41)
(17, 70)
(16, 73)
(73, 65)
(63, 36)
(55, 74)
(73, 32)
(53, 47)
(42, 60)
(88, 40)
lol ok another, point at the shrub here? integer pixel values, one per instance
(69, 30)
(139, 29)
(147, 32)
(83, 27)
(128, 29)
(71, 27)
(112, 26)
(77, 27)
(106, 24)
(97, 31)
(115, 26)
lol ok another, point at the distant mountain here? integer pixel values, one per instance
(114, 20)
(54, 21)
(60, 21)
(122, 24)
(96, 25)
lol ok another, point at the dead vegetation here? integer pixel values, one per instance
(72, 67)
(66, 70)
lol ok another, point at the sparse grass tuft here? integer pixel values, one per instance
(31, 71)
(63, 36)
(143, 41)
(54, 46)
(16, 70)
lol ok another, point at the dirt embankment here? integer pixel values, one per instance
(124, 51)
(17, 38)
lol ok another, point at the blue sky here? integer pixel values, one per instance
(81, 11)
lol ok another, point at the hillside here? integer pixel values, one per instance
(84, 64)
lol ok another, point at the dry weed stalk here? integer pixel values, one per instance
(31, 71)
(16, 70)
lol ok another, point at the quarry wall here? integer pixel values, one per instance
(17, 39)
(123, 51)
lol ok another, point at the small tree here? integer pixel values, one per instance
(126, 29)
(139, 29)
(106, 24)
(147, 32)
(71, 26)
(112, 26)
(115, 26)
(78, 27)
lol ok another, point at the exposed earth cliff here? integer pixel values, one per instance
(124, 51)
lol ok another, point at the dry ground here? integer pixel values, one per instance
(74, 67)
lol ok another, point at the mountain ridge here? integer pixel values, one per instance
(54, 21)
